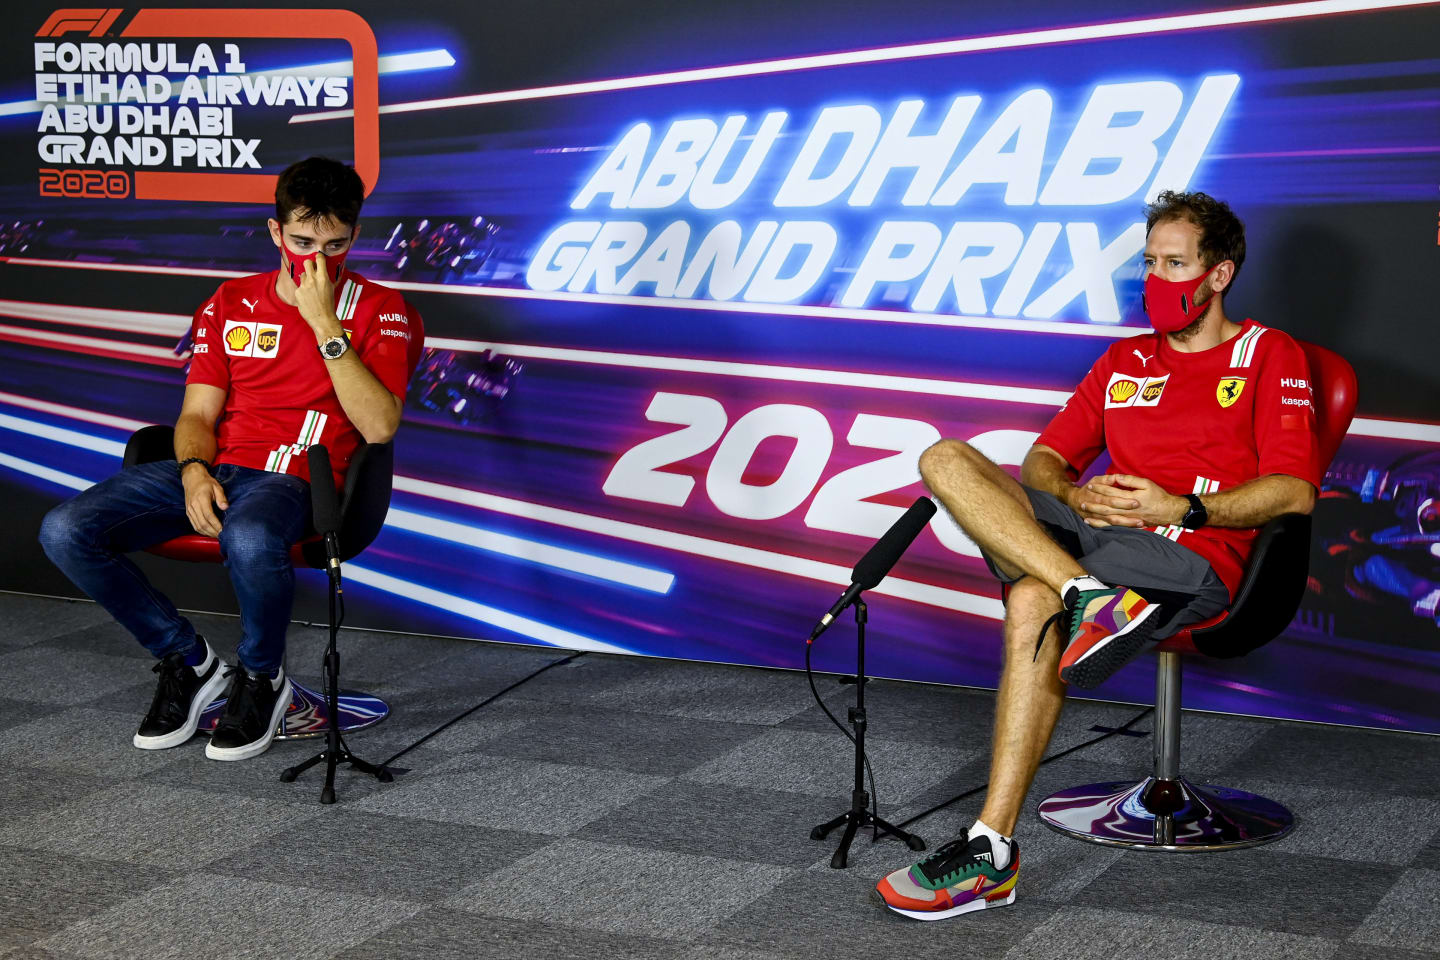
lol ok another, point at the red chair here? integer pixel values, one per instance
(1165, 811)
(364, 504)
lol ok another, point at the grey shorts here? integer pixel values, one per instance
(1158, 569)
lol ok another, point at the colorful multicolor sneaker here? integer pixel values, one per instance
(957, 878)
(1108, 626)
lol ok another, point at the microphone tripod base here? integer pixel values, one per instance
(857, 817)
(332, 759)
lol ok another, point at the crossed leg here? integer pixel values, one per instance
(992, 508)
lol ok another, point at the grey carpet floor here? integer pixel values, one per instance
(617, 807)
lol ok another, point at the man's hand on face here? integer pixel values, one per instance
(1118, 499)
(315, 297)
(203, 494)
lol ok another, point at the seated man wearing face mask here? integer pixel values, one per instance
(305, 354)
(1211, 432)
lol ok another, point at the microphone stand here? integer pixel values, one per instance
(859, 814)
(335, 752)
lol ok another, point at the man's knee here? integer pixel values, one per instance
(61, 529)
(253, 542)
(945, 457)
(1030, 602)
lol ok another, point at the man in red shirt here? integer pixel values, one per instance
(1210, 426)
(306, 354)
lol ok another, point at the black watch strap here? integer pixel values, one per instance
(1197, 515)
(201, 460)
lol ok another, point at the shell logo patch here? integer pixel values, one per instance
(239, 338)
(1121, 391)
(1229, 390)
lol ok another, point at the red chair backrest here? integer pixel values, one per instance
(1336, 391)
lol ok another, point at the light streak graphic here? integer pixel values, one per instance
(615, 571)
(1359, 427)
(60, 435)
(144, 352)
(763, 371)
(1070, 328)
(45, 473)
(1268, 13)
(495, 617)
(75, 413)
(172, 325)
(770, 560)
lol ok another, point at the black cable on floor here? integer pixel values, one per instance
(1056, 756)
(490, 699)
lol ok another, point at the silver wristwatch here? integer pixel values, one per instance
(334, 348)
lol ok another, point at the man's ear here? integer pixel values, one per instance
(1224, 273)
(274, 226)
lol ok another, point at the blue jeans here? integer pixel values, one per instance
(88, 536)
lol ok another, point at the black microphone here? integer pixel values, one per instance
(878, 560)
(325, 507)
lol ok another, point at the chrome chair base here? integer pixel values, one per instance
(308, 715)
(1165, 815)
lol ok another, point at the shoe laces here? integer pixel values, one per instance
(1073, 624)
(172, 683)
(242, 702)
(952, 861)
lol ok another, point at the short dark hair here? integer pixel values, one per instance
(322, 188)
(1222, 235)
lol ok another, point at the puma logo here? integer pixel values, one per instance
(250, 304)
(1144, 360)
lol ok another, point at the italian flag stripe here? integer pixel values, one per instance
(1244, 350)
(349, 300)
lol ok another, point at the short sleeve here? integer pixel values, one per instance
(385, 344)
(208, 362)
(1077, 432)
(1286, 435)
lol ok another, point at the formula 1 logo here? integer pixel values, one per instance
(91, 21)
(208, 24)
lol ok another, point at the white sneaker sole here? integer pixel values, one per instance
(256, 747)
(970, 907)
(205, 696)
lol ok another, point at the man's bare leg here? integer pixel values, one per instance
(1027, 704)
(992, 508)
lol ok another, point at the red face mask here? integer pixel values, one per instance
(1171, 304)
(294, 264)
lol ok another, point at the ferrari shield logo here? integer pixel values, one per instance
(1229, 390)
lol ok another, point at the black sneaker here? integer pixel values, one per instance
(180, 698)
(254, 708)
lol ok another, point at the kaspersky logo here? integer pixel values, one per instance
(84, 177)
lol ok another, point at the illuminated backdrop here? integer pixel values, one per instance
(694, 308)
